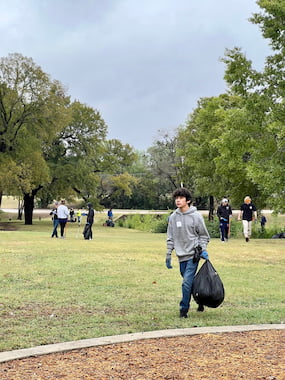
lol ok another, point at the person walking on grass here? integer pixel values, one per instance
(62, 214)
(263, 221)
(88, 234)
(185, 232)
(247, 214)
(224, 214)
(110, 214)
(78, 215)
(54, 220)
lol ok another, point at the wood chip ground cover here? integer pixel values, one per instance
(255, 355)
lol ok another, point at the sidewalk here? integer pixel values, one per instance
(87, 343)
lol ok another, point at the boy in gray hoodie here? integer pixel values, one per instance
(186, 231)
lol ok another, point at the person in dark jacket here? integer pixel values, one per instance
(88, 235)
(263, 222)
(224, 214)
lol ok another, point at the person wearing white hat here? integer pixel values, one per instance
(224, 214)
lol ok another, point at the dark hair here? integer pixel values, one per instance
(182, 192)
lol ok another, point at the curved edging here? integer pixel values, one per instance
(87, 343)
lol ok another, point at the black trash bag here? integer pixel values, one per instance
(110, 223)
(208, 289)
(87, 231)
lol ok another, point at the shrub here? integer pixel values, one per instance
(157, 223)
(151, 223)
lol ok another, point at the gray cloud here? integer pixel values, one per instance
(144, 64)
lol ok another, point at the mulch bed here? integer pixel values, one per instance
(254, 355)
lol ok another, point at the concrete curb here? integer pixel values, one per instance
(87, 343)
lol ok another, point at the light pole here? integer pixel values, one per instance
(182, 162)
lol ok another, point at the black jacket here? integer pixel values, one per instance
(224, 213)
(90, 215)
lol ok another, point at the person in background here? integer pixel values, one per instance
(247, 214)
(54, 219)
(71, 214)
(263, 222)
(90, 218)
(186, 232)
(224, 213)
(78, 215)
(110, 214)
(62, 214)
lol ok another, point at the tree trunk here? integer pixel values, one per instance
(29, 208)
(211, 208)
(20, 209)
(29, 205)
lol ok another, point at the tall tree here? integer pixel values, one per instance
(263, 93)
(84, 163)
(211, 142)
(164, 162)
(32, 110)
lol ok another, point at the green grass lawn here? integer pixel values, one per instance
(55, 290)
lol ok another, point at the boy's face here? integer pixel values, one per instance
(181, 202)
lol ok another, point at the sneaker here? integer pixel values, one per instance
(183, 313)
(200, 308)
(247, 239)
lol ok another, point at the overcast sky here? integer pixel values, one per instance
(142, 63)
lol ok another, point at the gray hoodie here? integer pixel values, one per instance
(186, 230)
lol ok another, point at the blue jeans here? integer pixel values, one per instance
(224, 227)
(187, 270)
(55, 224)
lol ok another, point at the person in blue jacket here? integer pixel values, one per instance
(186, 232)
(110, 214)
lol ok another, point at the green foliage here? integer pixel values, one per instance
(164, 163)
(214, 145)
(145, 222)
(274, 226)
(271, 21)
(234, 144)
(214, 228)
(33, 110)
(58, 148)
(263, 94)
(158, 224)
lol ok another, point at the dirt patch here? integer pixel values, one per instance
(254, 355)
(8, 226)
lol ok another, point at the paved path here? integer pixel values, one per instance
(86, 343)
(38, 211)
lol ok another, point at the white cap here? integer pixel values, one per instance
(224, 200)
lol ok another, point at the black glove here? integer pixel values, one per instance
(168, 262)
(197, 254)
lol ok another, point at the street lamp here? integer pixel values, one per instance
(182, 162)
